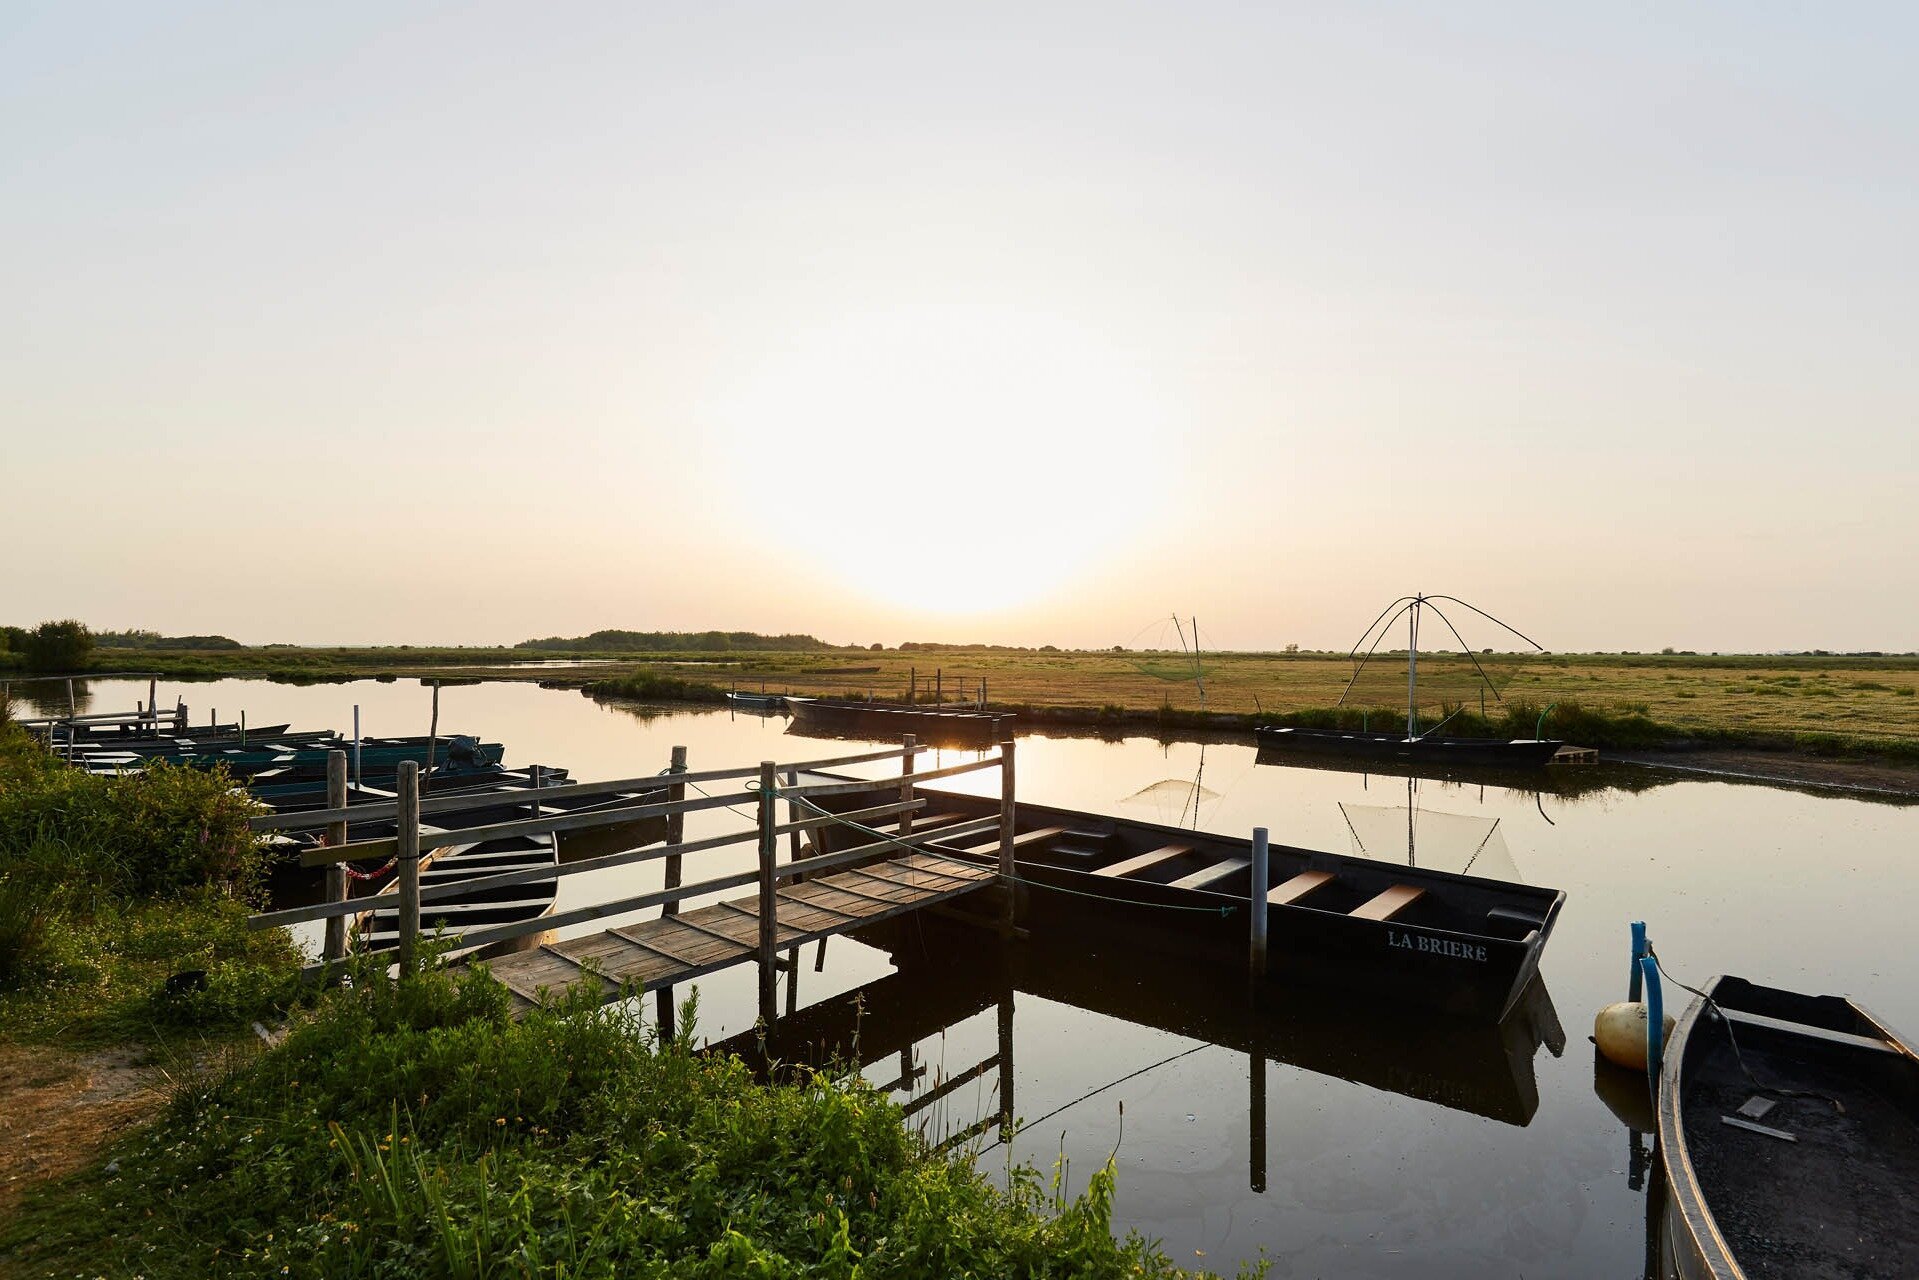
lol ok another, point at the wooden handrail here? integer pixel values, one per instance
(447, 837)
(387, 810)
(875, 784)
(532, 875)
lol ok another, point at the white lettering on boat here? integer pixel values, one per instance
(1402, 940)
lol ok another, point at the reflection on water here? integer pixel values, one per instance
(1389, 1149)
(50, 697)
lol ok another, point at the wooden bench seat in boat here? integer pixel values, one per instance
(1140, 863)
(1282, 895)
(1218, 872)
(1388, 903)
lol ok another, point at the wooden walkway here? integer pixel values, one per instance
(672, 949)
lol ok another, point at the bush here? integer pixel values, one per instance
(168, 829)
(59, 646)
(414, 1128)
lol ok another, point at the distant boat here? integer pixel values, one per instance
(1789, 1132)
(757, 703)
(1429, 748)
(1415, 746)
(888, 722)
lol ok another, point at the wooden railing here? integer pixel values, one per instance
(411, 840)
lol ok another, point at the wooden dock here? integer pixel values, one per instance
(675, 948)
(1570, 754)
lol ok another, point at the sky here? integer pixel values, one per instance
(363, 323)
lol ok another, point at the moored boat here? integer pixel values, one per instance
(888, 722)
(1457, 942)
(1789, 1136)
(1435, 749)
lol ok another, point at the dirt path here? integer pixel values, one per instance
(58, 1108)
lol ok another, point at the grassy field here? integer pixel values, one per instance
(1858, 698)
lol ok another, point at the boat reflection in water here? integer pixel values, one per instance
(1478, 1067)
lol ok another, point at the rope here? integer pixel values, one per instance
(1110, 1084)
(1737, 1056)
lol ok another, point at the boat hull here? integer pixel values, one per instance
(1460, 752)
(1834, 1201)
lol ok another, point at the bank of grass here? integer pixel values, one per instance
(414, 1128)
(112, 886)
(1829, 704)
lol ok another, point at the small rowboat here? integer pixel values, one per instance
(757, 703)
(1789, 1132)
(1462, 943)
(888, 722)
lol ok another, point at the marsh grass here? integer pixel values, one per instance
(414, 1128)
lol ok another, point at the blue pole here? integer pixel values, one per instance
(1638, 954)
(1655, 1022)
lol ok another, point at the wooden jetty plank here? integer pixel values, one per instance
(674, 949)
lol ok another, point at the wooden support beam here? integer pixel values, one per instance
(334, 949)
(769, 929)
(408, 854)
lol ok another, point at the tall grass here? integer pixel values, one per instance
(415, 1129)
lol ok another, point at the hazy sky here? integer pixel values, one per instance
(383, 322)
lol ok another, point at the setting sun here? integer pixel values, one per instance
(950, 459)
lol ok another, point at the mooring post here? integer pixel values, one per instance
(433, 734)
(1007, 878)
(939, 686)
(982, 693)
(73, 706)
(1638, 954)
(243, 726)
(675, 827)
(1256, 903)
(794, 849)
(356, 744)
(769, 922)
(179, 717)
(913, 686)
(675, 833)
(1655, 1022)
(908, 742)
(408, 858)
(537, 776)
(153, 705)
(334, 949)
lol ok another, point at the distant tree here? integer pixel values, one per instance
(876, 647)
(13, 639)
(59, 646)
(1292, 648)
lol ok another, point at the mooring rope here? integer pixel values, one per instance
(1739, 1057)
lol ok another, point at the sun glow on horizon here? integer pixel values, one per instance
(952, 460)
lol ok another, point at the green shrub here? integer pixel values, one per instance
(413, 1128)
(59, 646)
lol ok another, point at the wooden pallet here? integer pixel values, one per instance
(673, 949)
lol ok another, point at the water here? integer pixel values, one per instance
(1391, 1149)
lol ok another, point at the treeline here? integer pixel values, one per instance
(672, 642)
(154, 640)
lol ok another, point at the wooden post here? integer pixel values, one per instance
(793, 815)
(913, 688)
(243, 726)
(336, 877)
(73, 707)
(536, 775)
(939, 679)
(1006, 861)
(433, 735)
(1256, 904)
(982, 693)
(409, 865)
(769, 927)
(675, 833)
(667, 1020)
(356, 744)
(908, 741)
(675, 827)
(179, 717)
(153, 706)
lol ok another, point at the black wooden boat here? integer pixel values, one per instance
(1461, 943)
(1433, 749)
(1789, 1135)
(888, 722)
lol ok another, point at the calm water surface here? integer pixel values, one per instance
(1390, 1149)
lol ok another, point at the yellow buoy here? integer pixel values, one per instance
(1620, 1033)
